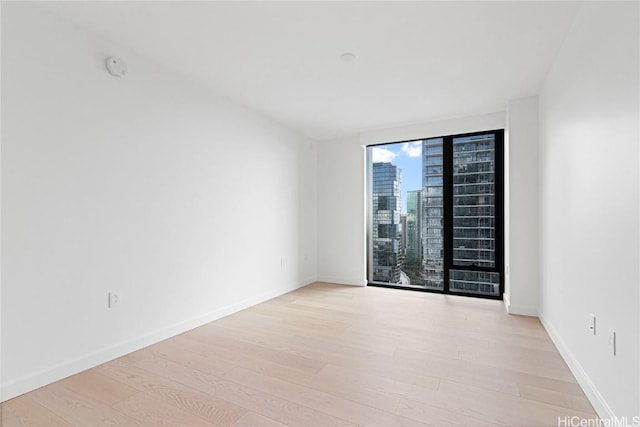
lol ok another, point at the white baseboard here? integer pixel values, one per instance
(55, 373)
(342, 280)
(602, 408)
(518, 309)
(302, 284)
(521, 310)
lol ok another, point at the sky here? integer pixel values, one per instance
(408, 157)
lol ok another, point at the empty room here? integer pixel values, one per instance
(320, 213)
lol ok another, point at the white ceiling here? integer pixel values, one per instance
(416, 61)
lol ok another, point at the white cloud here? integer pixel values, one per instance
(412, 149)
(382, 155)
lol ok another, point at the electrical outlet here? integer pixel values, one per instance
(592, 323)
(612, 342)
(114, 299)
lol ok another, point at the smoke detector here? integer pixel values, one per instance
(116, 66)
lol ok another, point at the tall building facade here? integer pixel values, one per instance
(432, 223)
(474, 214)
(413, 241)
(386, 227)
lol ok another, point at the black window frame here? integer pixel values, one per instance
(448, 206)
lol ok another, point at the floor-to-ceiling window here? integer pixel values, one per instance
(435, 214)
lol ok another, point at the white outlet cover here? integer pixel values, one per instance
(612, 342)
(114, 299)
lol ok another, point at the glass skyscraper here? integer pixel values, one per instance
(433, 213)
(386, 229)
(474, 214)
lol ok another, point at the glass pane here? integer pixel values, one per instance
(397, 211)
(432, 272)
(474, 221)
(474, 282)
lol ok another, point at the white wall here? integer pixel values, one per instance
(148, 185)
(341, 212)
(589, 112)
(341, 192)
(522, 266)
(452, 126)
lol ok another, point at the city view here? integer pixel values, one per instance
(418, 189)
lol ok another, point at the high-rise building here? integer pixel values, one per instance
(432, 223)
(386, 229)
(413, 241)
(474, 215)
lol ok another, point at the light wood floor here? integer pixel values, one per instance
(328, 355)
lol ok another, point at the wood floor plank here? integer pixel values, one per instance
(98, 387)
(569, 387)
(461, 336)
(270, 323)
(266, 404)
(339, 347)
(275, 355)
(437, 416)
(211, 348)
(316, 328)
(368, 381)
(79, 410)
(149, 411)
(472, 372)
(571, 401)
(540, 366)
(360, 392)
(496, 407)
(215, 410)
(23, 411)
(322, 401)
(178, 350)
(251, 419)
